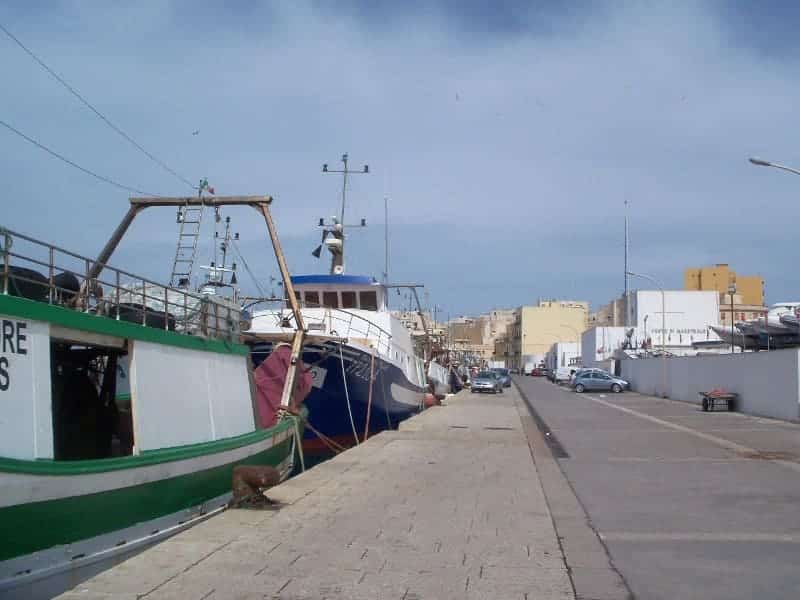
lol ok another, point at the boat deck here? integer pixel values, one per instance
(450, 506)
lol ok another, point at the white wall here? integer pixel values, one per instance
(182, 396)
(26, 406)
(768, 383)
(599, 344)
(687, 314)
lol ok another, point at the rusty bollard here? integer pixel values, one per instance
(249, 483)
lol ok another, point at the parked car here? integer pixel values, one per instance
(561, 374)
(505, 376)
(487, 381)
(598, 380)
(574, 373)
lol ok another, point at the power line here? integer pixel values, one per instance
(88, 104)
(73, 163)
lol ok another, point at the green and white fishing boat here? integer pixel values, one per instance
(121, 420)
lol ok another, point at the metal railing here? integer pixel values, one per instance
(338, 322)
(116, 294)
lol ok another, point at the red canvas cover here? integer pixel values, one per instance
(269, 378)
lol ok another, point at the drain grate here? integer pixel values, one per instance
(499, 428)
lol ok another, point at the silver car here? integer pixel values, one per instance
(487, 381)
(597, 380)
(505, 376)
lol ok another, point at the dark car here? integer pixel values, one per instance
(505, 376)
(487, 381)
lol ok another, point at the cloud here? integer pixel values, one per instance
(507, 139)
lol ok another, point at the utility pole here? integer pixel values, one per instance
(625, 293)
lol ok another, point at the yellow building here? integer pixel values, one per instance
(720, 276)
(536, 328)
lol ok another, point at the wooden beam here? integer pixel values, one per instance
(204, 201)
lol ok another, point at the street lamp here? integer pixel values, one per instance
(765, 163)
(663, 328)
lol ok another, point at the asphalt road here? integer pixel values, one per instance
(689, 504)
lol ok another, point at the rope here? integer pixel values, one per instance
(347, 395)
(369, 401)
(297, 441)
(334, 446)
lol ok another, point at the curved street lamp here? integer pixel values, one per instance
(759, 162)
(663, 328)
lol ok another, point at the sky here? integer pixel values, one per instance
(507, 136)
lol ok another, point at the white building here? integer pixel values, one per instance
(687, 316)
(562, 354)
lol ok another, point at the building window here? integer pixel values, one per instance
(312, 299)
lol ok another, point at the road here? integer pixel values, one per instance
(688, 504)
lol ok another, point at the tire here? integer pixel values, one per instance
(705, 404)
(501, 390)
(616, 388)
(579, 388)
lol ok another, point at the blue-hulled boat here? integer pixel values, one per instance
(367, 376)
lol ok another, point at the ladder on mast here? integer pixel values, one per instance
(190, 219)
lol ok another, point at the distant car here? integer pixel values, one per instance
(539, 372)
(600, 381)
(487, 381)
(505, 376)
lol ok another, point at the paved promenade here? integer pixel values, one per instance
(690, 504)
(450, 506)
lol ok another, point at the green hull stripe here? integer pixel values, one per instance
(151, 457)
(27, 528)
(73, 319)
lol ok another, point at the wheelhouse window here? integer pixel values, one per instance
(349, 300)
(330, 300)
(312, 299)
(369, 300)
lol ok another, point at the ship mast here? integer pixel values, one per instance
(336, 228)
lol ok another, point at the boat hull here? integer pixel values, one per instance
(374, 391)
(62, 522)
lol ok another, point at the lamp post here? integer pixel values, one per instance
(663, 329)
(731, 292)
(765, 163)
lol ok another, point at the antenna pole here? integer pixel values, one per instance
(338, 258)
(386, 239)
(625, 294)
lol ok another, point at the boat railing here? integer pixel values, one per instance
(114, 293)
(344, 323)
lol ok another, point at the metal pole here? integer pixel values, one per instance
(663, 329)
(386, 238)
(732, 344)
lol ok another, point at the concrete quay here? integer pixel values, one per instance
(464, 501)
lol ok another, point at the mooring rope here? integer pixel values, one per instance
(347, 395)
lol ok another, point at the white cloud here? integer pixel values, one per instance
(528, 143)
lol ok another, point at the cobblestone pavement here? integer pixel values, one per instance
(449, 506)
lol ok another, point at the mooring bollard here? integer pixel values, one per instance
(248, 484)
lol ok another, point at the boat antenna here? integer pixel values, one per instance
(335, 229)
(386, 239)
